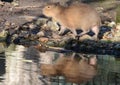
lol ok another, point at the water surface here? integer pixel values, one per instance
(22, 66)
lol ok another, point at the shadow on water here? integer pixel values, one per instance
(2, 66)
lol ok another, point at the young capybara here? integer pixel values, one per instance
(75, 16)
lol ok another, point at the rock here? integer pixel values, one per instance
(112, 24)
(50, 43)
(84, 37)
(3, 33)
(15, 3)
(32, 26)
(7, 23)
(55, 35)
(53, 25)
(41, 21)
(13, 24)
(25, 26)
(40, 34)
(99, 9)
(108, 35)
(43, 39)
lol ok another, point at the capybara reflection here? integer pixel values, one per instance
(77, 71)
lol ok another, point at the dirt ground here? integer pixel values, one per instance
(14, 14)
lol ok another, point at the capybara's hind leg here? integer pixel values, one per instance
(95, 29)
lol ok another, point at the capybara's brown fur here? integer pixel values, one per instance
(76, 16)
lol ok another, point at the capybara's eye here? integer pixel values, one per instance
(48, 7)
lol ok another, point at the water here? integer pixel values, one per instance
(2, 67)
(22, 66)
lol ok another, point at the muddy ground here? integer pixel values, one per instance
(14, 12)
